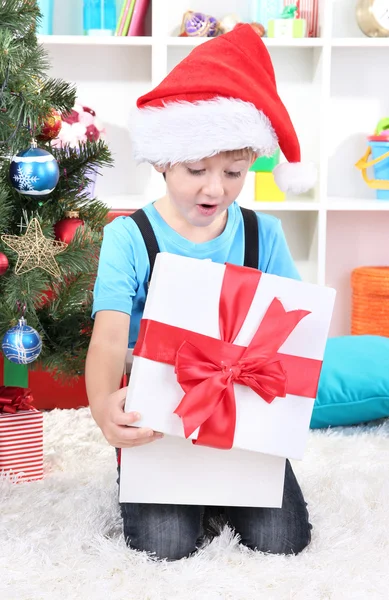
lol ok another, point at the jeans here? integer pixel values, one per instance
(175, 531)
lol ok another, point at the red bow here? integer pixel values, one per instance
(207, 368)
(15, 399)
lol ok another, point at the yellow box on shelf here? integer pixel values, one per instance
(266, 189)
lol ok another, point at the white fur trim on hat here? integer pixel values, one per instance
(295, 177)
(189, 131)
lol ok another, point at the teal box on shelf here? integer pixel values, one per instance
(45, 26)
(266, 164)
(99, 17)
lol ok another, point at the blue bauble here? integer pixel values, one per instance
(34, 172)
(22, 344)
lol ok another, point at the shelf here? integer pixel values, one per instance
(360, 42)
(130, 201)
(270, 42)
(292, 205)
(352, 204)
(85, 40)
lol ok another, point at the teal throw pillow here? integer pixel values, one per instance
(354, 382)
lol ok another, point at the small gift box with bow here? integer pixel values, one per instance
(21, 435)
(229, 357)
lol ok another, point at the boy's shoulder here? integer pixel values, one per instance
(268, 224)
(125, 224)
(123, 227)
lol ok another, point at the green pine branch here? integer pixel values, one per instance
(59, 309)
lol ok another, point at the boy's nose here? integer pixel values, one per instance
(214, 188)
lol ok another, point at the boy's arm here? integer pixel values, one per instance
(103, 373)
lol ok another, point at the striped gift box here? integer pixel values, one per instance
(21, 445)
(308, 10)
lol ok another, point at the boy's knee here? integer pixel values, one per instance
(297, 545)
(285, 544)
(165, 548)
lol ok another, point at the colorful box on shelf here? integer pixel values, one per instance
(266, 189)
(21, 435)
(266, 164)
(287, 28)
(379, 151)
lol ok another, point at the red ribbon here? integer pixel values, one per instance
(15, 399)
(207, 368)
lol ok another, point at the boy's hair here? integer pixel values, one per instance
(236, 154)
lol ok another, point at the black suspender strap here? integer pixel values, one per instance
(251, 238)
(141, 219)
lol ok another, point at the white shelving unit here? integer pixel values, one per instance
(334, 86)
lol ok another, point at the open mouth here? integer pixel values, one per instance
(207, 209)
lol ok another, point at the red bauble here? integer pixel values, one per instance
(51, 127)
(4, 264)
(66, 228)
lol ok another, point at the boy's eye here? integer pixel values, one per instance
(232, 174)
(196, 171)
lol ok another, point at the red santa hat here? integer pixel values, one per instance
(222, 96)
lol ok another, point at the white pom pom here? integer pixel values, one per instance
(295, 177)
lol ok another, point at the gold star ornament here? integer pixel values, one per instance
(34, 250)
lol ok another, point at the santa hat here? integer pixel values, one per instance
(222, 96)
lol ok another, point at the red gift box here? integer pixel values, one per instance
(308, 10)
(21, 435)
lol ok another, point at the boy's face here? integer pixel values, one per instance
(201, 191)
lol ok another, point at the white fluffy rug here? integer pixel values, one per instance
(61, 539)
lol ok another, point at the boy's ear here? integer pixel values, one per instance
(160, 170)
(254, 157)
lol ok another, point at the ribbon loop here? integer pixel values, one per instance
(14, 399)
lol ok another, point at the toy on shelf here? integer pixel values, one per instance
(197, 24)
(288, 25)
(228, 23)
(263, 11)
(266, 164)
(266, 189)
(373, 17)
(379, 149)
(308, 10)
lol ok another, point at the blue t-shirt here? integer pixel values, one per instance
(123, 271)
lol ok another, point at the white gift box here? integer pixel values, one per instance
(185, 293)
(174, 471)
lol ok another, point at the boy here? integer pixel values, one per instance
(202, 128)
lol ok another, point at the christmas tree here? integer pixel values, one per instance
(50, 225)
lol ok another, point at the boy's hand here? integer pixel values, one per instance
(116, 424)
